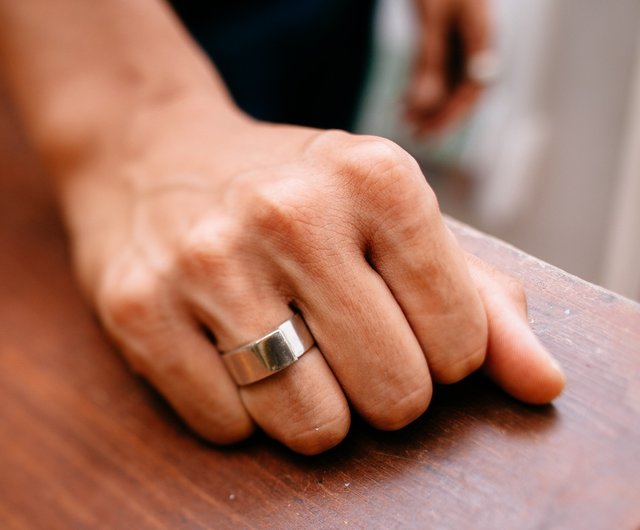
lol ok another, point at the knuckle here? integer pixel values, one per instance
(379, 150)
(134, 306)
(461, 366)
(359, 152)
(376, 151)
(219, 426)
(466, 353)
(273, 212)
(303, 407)
(321, 436)
(146, 349)
(282, 210)
(132, 301)
(390, 181)
(376, 165)
(207, 249)
(400, 403)
(328, 141)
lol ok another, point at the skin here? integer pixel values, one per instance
(433, 103)
(189, 221)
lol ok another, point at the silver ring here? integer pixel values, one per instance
(269, 354)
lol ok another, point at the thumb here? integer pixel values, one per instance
(515, 360)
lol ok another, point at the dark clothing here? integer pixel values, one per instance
(288, 61)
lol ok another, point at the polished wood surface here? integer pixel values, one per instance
(86, 444)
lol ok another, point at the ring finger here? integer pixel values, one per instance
(302, 405)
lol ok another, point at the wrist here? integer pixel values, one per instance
(90, 119)
(78, 74)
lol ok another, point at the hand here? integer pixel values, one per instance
(452, 32)
(195, 230)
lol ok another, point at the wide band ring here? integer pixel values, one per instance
(270, 354)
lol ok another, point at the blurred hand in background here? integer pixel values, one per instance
(453, 49)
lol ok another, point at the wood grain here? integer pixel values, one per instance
(85, 444)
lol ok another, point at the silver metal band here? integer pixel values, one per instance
(270, 354)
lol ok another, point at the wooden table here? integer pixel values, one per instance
(85, 444)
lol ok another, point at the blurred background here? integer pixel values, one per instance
(550, 159)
